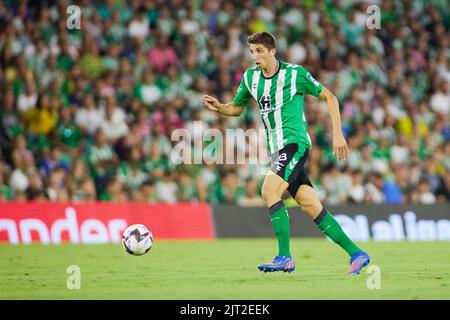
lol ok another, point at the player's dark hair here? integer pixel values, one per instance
(264, 38)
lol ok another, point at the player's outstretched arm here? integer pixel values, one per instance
(339, 144)
(228, 109)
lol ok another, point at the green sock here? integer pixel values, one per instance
(328, 225)
(280, 223)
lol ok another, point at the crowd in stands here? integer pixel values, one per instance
(88, 114)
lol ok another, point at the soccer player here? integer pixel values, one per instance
(279, 89)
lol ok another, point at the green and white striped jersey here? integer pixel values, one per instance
(280, 102)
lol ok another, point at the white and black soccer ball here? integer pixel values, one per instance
(137, 239)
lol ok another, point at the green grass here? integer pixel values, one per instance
(223, 269)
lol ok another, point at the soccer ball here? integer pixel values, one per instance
(137, 239)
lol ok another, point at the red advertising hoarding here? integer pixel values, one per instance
(96, 222)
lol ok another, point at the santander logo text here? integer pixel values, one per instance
(90, 231)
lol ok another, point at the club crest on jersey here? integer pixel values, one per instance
(264, 101)
(310, 77)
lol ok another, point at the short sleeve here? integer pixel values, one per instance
(242, 94)
(306, 84)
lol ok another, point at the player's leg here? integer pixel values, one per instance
(273, 187)
(310, 204)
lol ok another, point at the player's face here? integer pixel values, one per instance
(261, 55)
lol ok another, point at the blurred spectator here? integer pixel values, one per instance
(80, 185)
(42, 118)
(251, 197)
(422, 193)
(20, 150)
(18, 180)
(139, 26)
(392, 192)
(166, 189)
(162, 54)
(114, 191)
(440, 100)
(337, 185)
(89, 118)
(86, 191)
(27, 100)
(431, 172)
(129, 171)
(187, 189)
(52, 159)
(102, 160)
(370, 163)
(67, 134)
(56, 188)
(374, 188)
(35, 190)
(357, 192)
(114, 124)
(400, 151)
(10, 124)
(443, 192)
(149, 191)
(146, 90)
(232, 190)
(6, 193)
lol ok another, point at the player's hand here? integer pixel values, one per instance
(340, 149)
(211, 103)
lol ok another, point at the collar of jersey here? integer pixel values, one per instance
(276, 72)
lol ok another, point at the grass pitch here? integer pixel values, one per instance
(223, 269)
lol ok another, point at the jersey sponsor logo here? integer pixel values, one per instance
(310, 77)
(265, 103)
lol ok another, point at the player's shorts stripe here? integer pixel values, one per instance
(278, 105)
(265, 116)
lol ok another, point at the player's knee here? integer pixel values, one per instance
(308, 201)
(269, 196)
(264, 194)
(311, 209)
